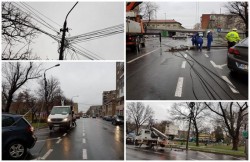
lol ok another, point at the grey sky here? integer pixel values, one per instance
(86, 79)
(188, 13)
(84, 18)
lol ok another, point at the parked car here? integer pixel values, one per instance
(130, 138)
(117, 120)
(107, 118)
(17, 136)
(237, 57)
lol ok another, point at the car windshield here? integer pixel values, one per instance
(60, 110)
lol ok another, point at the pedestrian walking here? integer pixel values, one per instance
(209, 40)
(232, 37)
(199, 42)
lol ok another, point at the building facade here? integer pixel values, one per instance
(222, 21)
(94, 110)
(108, 103)
(162, 24)
(119, 88)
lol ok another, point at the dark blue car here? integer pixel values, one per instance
(17, 136)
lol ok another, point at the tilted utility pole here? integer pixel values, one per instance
(64, 33)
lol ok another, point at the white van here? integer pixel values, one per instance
(60, 116)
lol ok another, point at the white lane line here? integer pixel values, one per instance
(83, 134)
(47, 154)
(217, 66)
(83, 140)
(64, 134)
(84, 154)
(142, 56)
(183, 65)
(48, 139)
(206, 55)
(205, 155)
(59, 140)
(230, 84)
(185, 55)
(214, 65)
(83, 130)
(178, 90)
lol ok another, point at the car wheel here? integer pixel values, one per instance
(16, 150)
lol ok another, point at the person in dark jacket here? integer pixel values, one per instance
(193, 40)
(209, 40)
(199, 42)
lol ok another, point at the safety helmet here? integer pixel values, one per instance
(208, 31)
(200, 35)
(234, 29)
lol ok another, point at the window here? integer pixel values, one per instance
(7, 121)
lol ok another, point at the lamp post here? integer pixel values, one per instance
(63, 35)
(45, 88)
(190, 116)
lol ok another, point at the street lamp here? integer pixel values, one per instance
(64, 32)
(190, 116)
(45, 87)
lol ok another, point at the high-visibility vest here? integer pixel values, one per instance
(233, 36)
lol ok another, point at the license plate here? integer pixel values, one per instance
(56, 125)
(242, 66)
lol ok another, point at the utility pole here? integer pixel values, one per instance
(64, 33)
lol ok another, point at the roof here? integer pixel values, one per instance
(162, 21)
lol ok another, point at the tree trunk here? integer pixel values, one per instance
(235, 143)
(196, 133)
(8, 104)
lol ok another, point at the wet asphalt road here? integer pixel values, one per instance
(91, 139)
(135, 153)
(156, 74)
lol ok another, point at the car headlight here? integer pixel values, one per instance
(49, 120)
(65, 119)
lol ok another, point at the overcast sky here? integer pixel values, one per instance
(84, 18)
(87, 80)
(188, 13)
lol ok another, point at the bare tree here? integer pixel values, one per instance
(17, 33)
(139, 114)
(148, 11)
(15, 75)
(182, 111)
(233, 115)
(240, 9)
(53, 90)
(197, 26)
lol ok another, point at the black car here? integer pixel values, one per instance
(17, 136)
(117, 120)
(237, 57)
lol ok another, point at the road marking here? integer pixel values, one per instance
(206, 55)
(178, 90)
(83, 134)
(185, 55)
(65, 134)
(217, 66)
(48, 139)
(59, 140)
(142, 56)
(84, 154)
(205, 155)
(230, 84)
(83, 140)
(183, 64)
(47, 154)
(83, 130)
